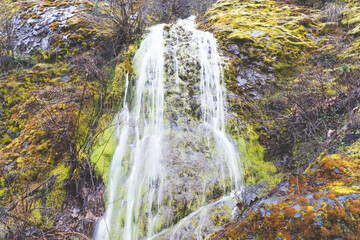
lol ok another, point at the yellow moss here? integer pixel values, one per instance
(351, 15)
(346, 190)
(355, 30)
(220, 219)
(310, 208)
(36, 216)
(5, 139)
(265, 31)
(2, 192)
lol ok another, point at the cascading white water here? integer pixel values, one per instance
(212, 98)
(173, 155)
(140, 144)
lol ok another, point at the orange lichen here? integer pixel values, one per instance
(327, 214)
(334, 165)
(331, 195)
(303, 200)
(289, 212)
(54, 25)
(324, 232)
(354, 207)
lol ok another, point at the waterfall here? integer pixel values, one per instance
(173, 159)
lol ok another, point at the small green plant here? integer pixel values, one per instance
(346, 68)
(96, 5)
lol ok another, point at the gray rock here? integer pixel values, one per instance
(262, 212)
(318, 221)
(234, 49)
(65, 77)
(241, 81)
(243, 57)
(256, 33)
(297, 207)
(34, 33)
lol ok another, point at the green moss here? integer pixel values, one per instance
(104, 148)
(241, 36)
(57, 194)
(102, 153)
(256, 169)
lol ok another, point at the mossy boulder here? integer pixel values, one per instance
(267, 41)
(321, 203)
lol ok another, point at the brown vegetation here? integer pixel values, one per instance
(6, 35)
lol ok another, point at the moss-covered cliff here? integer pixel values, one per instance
(293, 76)
(292, 71)
(56, 97)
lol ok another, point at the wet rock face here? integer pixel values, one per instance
(249, 75)
(187, 162)
(37, 24)
(195, 174)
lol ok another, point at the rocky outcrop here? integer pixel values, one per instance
(266, 40)
(323, 202)
(36, 25)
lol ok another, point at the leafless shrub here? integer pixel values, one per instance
(128, 20)
(166, 11)
(332, 11)
(131, 17)
(6, 34)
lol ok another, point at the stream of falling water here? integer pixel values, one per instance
(147, 186)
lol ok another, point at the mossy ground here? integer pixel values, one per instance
(52, 112)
